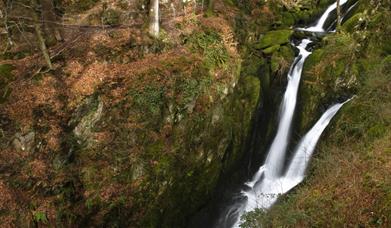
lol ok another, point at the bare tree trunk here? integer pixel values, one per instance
(338, 14)
(154, 18)
(39, 34)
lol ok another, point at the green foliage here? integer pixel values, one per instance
(149, 98)
(111, 17)
(353, 22)
(211, 46)
(40, 217)
(188, 89)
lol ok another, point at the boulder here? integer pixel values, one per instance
(277, 37)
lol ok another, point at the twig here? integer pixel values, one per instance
(65, 46)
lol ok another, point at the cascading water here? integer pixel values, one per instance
(305, 148)
(319, 26)
(266, 190)
(270, 181)
(275, 158)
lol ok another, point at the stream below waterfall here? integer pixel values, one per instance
(274, 177)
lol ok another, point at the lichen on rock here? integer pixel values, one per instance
(85, 117)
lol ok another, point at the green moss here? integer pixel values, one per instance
(314, 58)
(251, 64)
(252, 89)
(271, 50)
(288, 19)
(376, 131)
(150, 98)
(210, 44)
(188, 89)
(353, 21)
(281, 60)
(277, 37)
(6, 71)
(163, 162)
(6, 77)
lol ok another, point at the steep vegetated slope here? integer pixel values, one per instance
(128, 130)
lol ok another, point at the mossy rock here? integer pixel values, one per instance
(252, 64)
(313, 59)
(282, 59)
(287, 19)
(271, 50)
(272, 38)
(252, 86)
(85, 117)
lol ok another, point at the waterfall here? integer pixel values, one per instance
(306, 147)
(269, 182)
(265, 191)
(275, 158)
(319, 26)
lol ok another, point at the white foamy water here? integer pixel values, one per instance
(319, 26)
(274, 161)
(265, 190)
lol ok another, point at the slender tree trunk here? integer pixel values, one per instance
(211, 5)
(39, 34)
(338, 14)
(154, 18)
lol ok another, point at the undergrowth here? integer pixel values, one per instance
(210, 45)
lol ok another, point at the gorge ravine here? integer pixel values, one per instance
(274, 177)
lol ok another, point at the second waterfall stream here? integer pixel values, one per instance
(274, 177)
